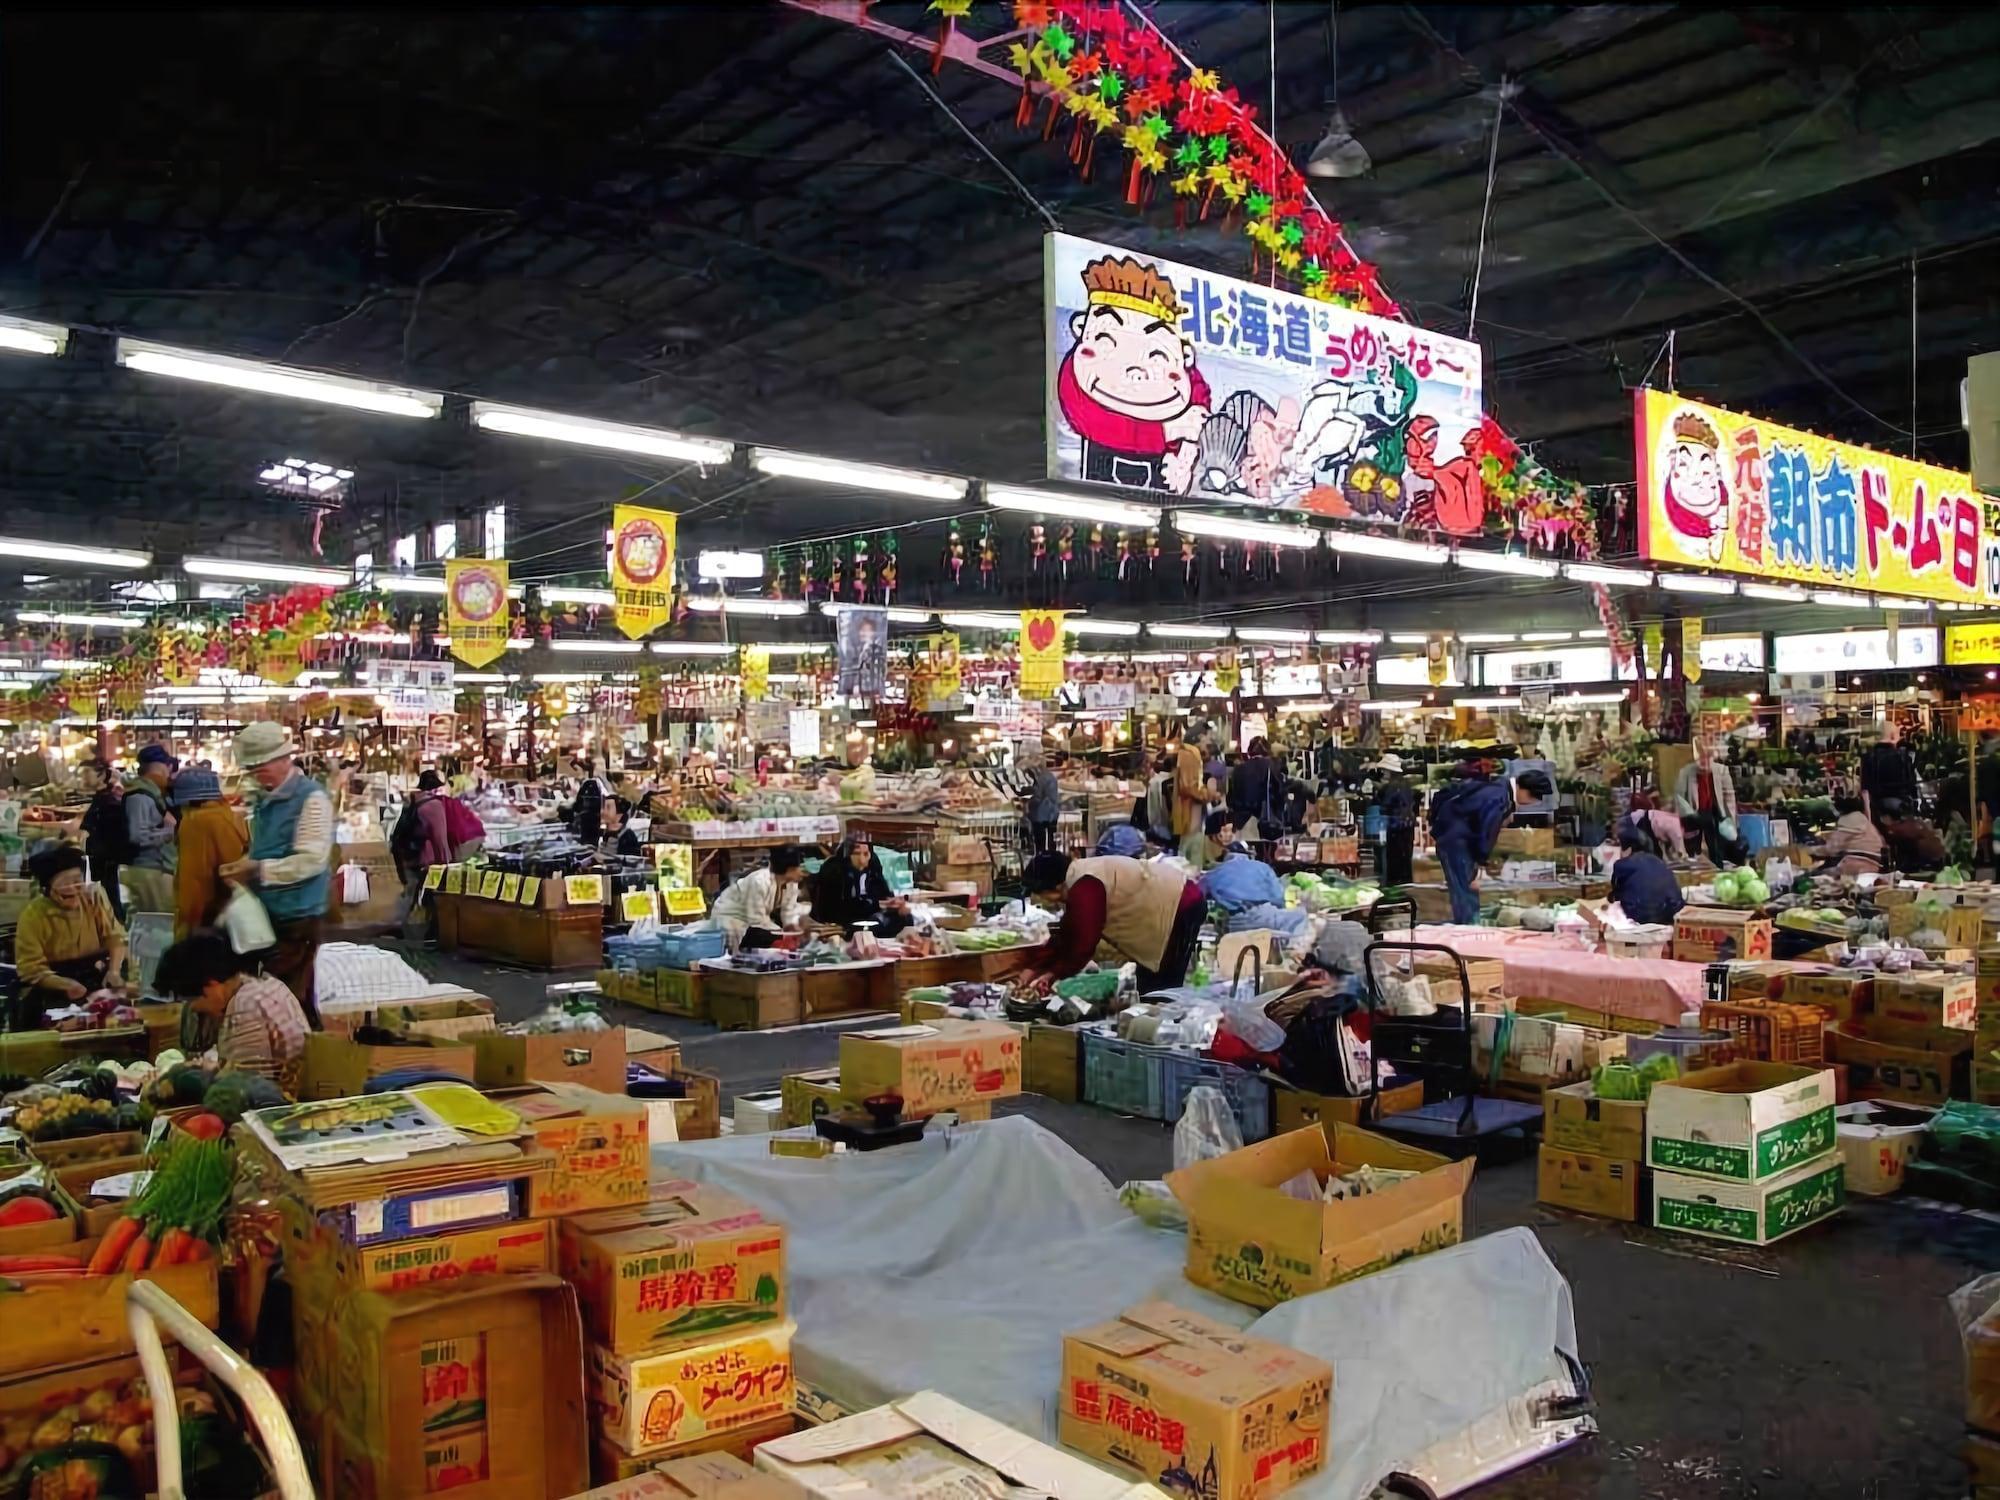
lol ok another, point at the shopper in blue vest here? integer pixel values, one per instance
(291, 839)
(1467, 815)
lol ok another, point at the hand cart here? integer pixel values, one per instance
(1439, 1050)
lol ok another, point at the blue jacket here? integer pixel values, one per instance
(146, 827)
(1241, 882)
(1470, 811)
(271, 837)
(1642, 884)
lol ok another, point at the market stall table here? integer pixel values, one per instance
(714, 843)
(1544, 966)
(551, 934)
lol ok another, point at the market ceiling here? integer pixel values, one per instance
(747, 220)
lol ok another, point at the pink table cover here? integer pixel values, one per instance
(1542, 966)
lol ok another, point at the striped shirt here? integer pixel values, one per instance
(264, 1031)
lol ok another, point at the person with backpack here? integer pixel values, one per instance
(463, 826)
(420, 839)
(149, 829)
(105, 843)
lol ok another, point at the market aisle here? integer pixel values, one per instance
(1828, 1365)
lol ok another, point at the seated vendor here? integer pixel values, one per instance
(1663, 829)
(1249, 893)
(851, 888)
(67, 943)
(755, 908)
(262, 1026)
(1853, 846)
(1146, 911)
(1913, 844)
(1641, 883)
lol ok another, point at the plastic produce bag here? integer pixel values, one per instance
(1243, 1018)
(1207, 1128)
(1155, 1205)
(353, 884)
(247, 923)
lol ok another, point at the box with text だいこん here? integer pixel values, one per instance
(1194, 1405)
(1253, 1242)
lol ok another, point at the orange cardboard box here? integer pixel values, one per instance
(596, 1143)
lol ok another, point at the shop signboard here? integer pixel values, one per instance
(1041, 646)
(1166, 377)
(1718, 489)
(475, 599)
(1972, 645)
(1916, 649)
(642, 567)
(804, 732)
(1105, 696)
(409, 692)
(1732, 653)
(943, 673)
(756, 674)
(1691, 663)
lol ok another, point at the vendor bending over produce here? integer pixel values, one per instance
(1466, 818)
(851, 888)
(67, 943)
(1641, 883)
(757, 907)
(263, 1025)
(1148, 911)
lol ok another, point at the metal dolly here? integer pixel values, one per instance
(1440, 1053)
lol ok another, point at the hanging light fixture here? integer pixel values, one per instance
(1338, 153)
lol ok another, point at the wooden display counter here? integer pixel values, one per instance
(962, 968)
(384, 889)
(548, 935)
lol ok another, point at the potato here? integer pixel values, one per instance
(132, 1441)
(97, 1403)
(53, 1433)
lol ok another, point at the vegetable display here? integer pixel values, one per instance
(175, 1218)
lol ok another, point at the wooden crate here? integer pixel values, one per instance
(698, 1117)
(739, 1000)
(1052, 1062)
(67, 1320)
(847, 989)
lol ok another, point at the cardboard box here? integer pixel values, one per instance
(609, 1462)
(1959, 924)
(690, 1264)
(1052, 1064)
(1909, 1075)
(1982, 1370)
(698, 1116)
(523, 1248)
(69, 1320)
(653, 1401)
(337, 1067)
(758, 1114)
(809, 1095)
(1587, 1183)
(1876, 1143)
(447, 1020)
(892, 1453)
(1575, 1119)
(1749, 1213)
(742, 1000)
(474, 1388)
(1162, 1393)
(717, 1476)
(1488, 976)
(1295, 1109)
(936, 1066)
(1707, 934)
(1251, 1243)
(1909, 1006)
(1526, 843)
(1747, 1121)
(587, 1059)
(1541, 1050)
(1843, 994)
(596, 1144)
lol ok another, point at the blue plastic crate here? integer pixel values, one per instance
(631, 955)
(1248, 1093)
(1129, 1077)
(684, 947)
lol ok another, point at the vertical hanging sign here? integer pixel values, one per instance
(1691, 648)
(475, 601)
(756, 674)
(1041, 653)
(642, 568)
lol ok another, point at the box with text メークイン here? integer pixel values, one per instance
(661, 1401)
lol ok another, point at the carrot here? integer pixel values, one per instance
(174, 1245)
(136, 1257)
(111, 1249)
(20, 1265)
(198, 1249)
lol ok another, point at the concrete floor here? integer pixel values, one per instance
(1827, 1365)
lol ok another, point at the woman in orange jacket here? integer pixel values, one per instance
(211, 834)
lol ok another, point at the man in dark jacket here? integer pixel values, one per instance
(1888, 773)
(1398, 801)
(1642, 885)
(104, 841)
(1466, 817)
(1256, 793)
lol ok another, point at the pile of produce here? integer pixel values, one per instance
(28, 1195)
(1741, 888)
(178, 1216)
(1328, 893)
(44, 1112)
(95, 1442)
(985, 939)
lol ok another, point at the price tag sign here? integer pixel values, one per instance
(531, 889)
(584, 890)
(489, 885)
(454, 880)
(638, 906)
(686, 901)
(433, 877)
(510, 888)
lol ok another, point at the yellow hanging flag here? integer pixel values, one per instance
(475, 603)
(642, 567)
(756, 674)
(1041, 653)
(941, 658)
(1228, 671)
(1691, 648)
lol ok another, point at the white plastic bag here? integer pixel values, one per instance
(1243, 1018)
(1779, 876)
(353, 884)
(1207, 1127)
(247, 923)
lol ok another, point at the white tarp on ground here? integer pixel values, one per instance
(958, 1263)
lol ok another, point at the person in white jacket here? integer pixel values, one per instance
(757, 907)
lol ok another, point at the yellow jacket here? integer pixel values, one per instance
(211, 834)
(50, 933)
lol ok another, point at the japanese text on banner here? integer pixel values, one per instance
(642, 567)
(1718, 489)
(475, 597)
(1041, 653)
(756, 674)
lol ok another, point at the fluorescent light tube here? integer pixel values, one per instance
(72, 664)
(980, 620)
(1548, 635)
(108, 622)
(1349, 637)
(1891, 602)
(1505, 562)
(692, 648)
(614, 436)
(404, 583)
(278, 380)
(610, 648)
(1071, 507)
(1696, 583)
(879, 477)
(1229, 528)
(556, 594)
(1777, 593)
(1189, 632)
(25, 337)
(1087, 626)
(88, 557)
(1400, 639)
(1841, 599)
(1482, 638)
(264, 572)
(1391, 705)
(774, 609)
(1427, 553)
(788, 648)
(483, 677)
(1595, 698)
(897, 614)
(1274, 636)
(1633, 578)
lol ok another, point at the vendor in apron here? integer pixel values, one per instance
(1146, 910)
(757, 907)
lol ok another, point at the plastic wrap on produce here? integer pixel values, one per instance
(958, 1263)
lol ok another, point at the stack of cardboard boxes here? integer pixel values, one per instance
(932, 1066)
(1593, 1153)
(1915, 1040)
(689, 1350)
(1746, 1152)
(1985, 1080)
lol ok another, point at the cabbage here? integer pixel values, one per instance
(1754, 890)
(1725, 887)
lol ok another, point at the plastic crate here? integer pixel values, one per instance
(684, 947)
(1248, 1093)
(631, 955)
(1129, 1077)
(1770, 1030)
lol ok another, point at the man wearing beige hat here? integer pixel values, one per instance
(291, 837)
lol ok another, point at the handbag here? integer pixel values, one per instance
(353, 884)
(247, 923)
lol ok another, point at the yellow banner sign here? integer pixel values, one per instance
(1041, 653)
(475, 605)
(1228, 670)
(941, 661)
(642, 567)
(1691, 648)
(756, 674)
(1721, 490)
(1972, 645)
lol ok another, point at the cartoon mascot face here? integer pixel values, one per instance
(1694, 497)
